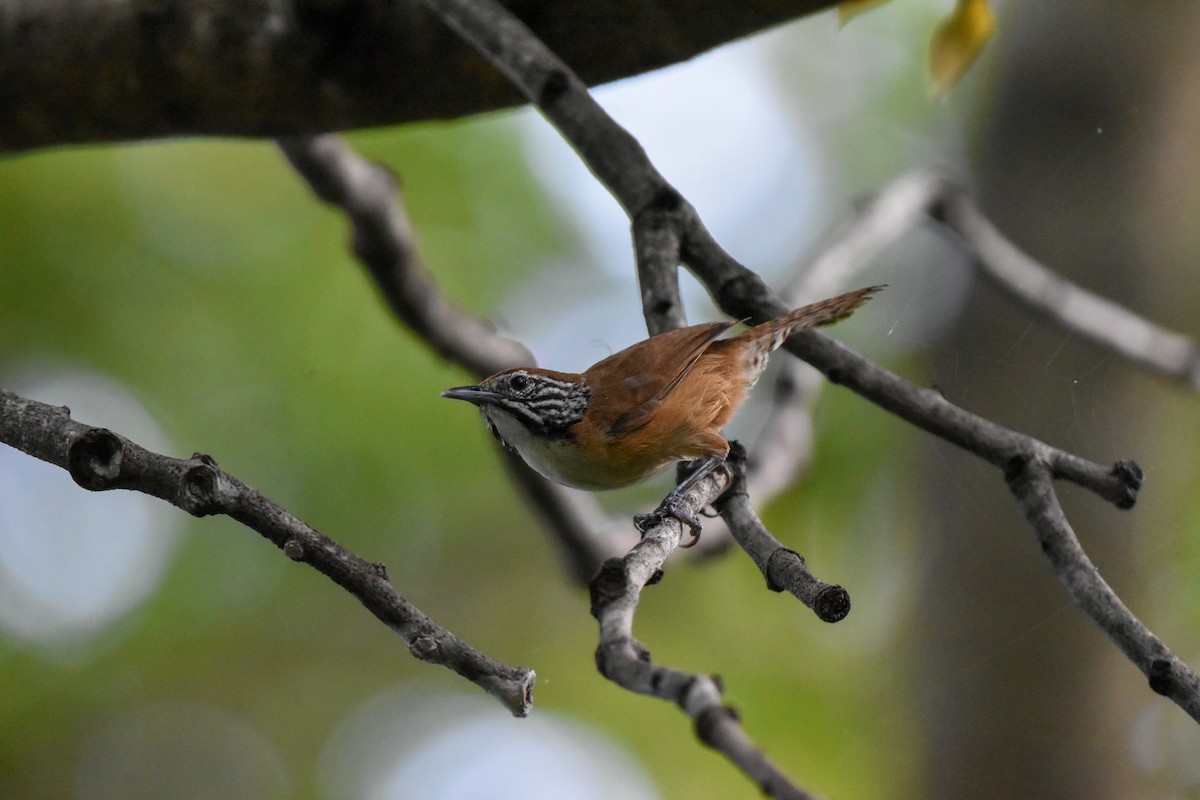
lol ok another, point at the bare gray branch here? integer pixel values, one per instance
(99, 459)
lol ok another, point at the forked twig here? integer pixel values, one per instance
(616, 591)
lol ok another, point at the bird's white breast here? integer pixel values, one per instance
(560, 460)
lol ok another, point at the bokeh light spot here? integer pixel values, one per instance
(72, 562)
(417, 743)
(183, 751)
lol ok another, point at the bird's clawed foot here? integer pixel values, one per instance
(672, 504)
(669, 507)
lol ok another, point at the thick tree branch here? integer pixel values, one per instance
(75, 71)
(99, 459)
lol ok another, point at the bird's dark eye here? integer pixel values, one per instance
(519, 383)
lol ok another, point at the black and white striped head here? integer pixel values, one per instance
(545, 403)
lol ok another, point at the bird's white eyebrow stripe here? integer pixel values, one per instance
(545, 380)
(547, 404)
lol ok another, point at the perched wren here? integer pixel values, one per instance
(638, 411)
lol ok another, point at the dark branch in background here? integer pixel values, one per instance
(109, 70)
(621, 164)
(583, 532)
(99, 459)
(383, 241)
(921, 195)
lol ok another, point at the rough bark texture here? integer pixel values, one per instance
(76, 71)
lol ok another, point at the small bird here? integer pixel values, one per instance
(633, 414)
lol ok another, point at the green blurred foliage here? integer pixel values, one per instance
(206, 278)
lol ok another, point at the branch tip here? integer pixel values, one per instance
(99, 459)
(1131, 475)
(832, 604)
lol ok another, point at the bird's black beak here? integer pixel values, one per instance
(472, 394)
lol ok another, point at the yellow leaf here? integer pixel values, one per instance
(957, 42)
(849, 9)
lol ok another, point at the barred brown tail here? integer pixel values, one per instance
(824, 312)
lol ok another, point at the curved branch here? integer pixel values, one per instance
(1142, 342)
(383, 242)
(99, 459)
(1031, 483)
